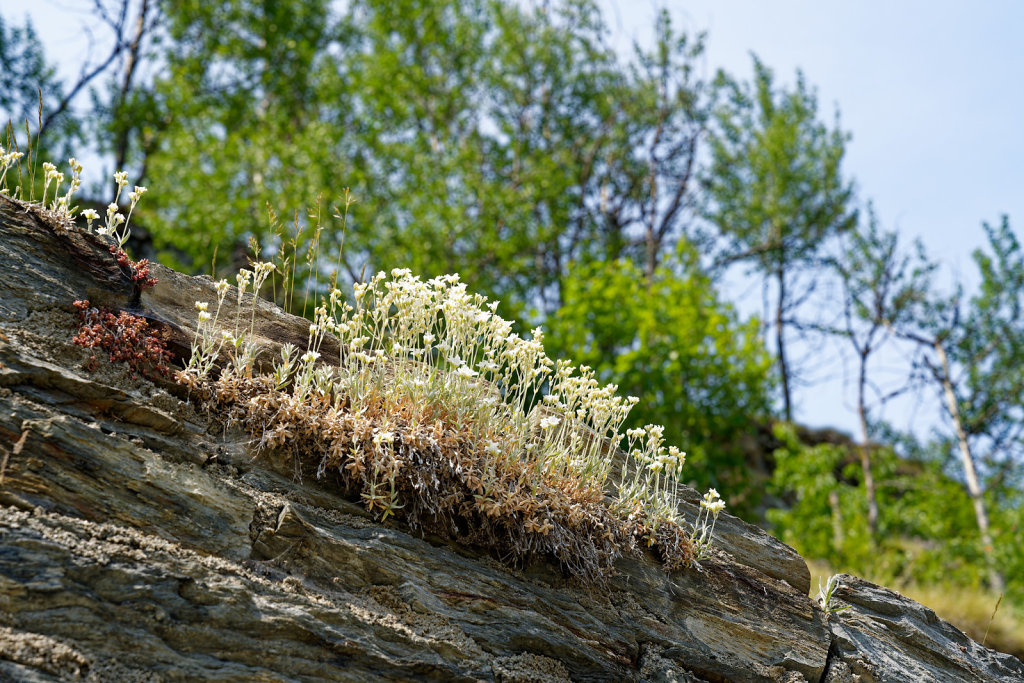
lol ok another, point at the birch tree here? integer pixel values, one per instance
(972, 351)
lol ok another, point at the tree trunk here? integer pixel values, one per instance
(865, 452)
(971, 474)
(780, 345)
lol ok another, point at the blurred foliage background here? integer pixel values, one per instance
(604, 196)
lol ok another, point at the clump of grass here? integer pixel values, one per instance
(437, 414)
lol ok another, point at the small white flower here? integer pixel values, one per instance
(549, 422)
(91, 215)
(309, 356)
(467, 371)
(715, 507)
(263, 268)
(201, 305)
(203, 316)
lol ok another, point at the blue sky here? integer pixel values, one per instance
(933, 93)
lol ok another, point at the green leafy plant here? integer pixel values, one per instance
(826, 594)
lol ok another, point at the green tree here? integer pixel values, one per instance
(776, 190)
(672, 341)
(251, 110)
(502, 142)
(823, 515)
(925, 517)
(518, 144)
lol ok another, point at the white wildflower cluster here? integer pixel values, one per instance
(703, 533)
(431, 350)
(236, 346)
(208, 342)
(440, 341)
(412, 340)
(656, 471)
(115, 223)
(61, 203)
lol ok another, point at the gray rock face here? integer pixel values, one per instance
(141, 541)
(883, 636)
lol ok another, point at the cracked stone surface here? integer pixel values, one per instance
(141, 542)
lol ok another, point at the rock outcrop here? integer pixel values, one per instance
(140, 540)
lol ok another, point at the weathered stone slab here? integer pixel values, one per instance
(883, 636)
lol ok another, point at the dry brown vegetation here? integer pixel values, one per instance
(434, 477)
